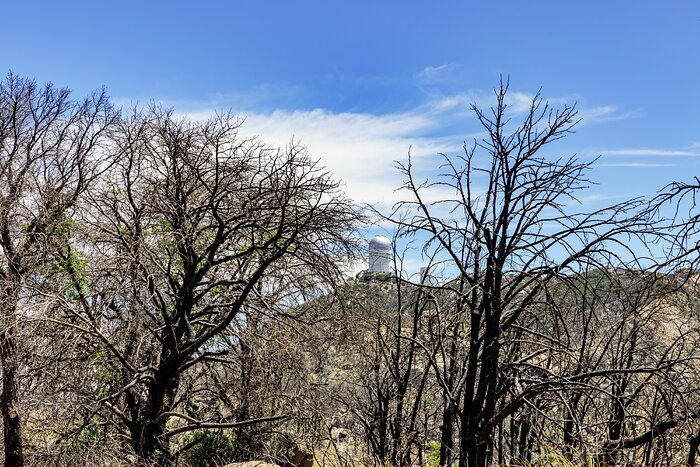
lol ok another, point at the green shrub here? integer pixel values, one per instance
(434, 455)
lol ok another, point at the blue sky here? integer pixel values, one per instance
(360, 82)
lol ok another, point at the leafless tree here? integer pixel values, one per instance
(508, 233)
(50, 151)
(614, 372)
(677, 202)
(387, 319)
(192, 227)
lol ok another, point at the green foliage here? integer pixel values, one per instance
(106, 376)
(212, 448)
(434, 455)
(70, 274)
(92, 435)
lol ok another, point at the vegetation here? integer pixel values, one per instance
(174, 294)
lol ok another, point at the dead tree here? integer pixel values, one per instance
(507, 233)
(678, 204)
(49, 154)
(387, 319)
(190, 228)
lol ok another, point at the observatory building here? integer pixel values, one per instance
(381, 255)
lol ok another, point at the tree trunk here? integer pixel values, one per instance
(9, 401)
(152, 448)
(447, 435)
(524, 439)
(476, 438)
(150, 442)
(571, 425)
(694, 444)
(615, 425)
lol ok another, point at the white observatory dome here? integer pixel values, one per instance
(381, 254)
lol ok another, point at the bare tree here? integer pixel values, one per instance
(677, 202)
(49, 154)
(192, 227)
(613, 373)
(507, 234)
(387, 319)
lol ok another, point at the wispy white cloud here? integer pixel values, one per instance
(358, 148)
(517, 102)
(459, 102)
(651, 152)
(520, 102)
(597, 197)
(641, 165)
(361, 148)
(604, 113)
(430, 74)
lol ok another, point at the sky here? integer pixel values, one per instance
(360, 82)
